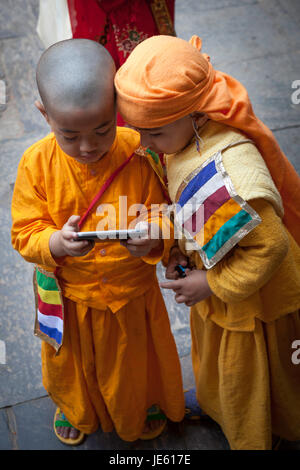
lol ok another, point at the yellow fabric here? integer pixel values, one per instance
(242, 335)
(243, 162)
(248, 284)
(259, 278)
(111, 368)
(246, 381)
(54, 186)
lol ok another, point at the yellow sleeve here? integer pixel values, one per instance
(32, 225)
(252, 263)
(156, 204)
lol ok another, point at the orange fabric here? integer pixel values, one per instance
(166, 78)
(55, 186)
(118, 355)
(112, 368)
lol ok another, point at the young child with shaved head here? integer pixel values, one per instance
(109, 357)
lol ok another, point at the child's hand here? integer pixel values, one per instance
(191, 289)
(62, 242)
(142, 246)
(176, 257)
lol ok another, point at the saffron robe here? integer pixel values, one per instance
(242, 335)
(118, 355)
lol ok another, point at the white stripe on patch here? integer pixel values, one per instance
(193, 204)
(51, 321)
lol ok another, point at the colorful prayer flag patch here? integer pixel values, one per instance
(49, 323)
(210, 212)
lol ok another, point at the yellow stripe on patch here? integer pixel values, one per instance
(49, 296)
(218, 219)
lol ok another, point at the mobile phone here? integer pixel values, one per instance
(181, 270)
(110, 235)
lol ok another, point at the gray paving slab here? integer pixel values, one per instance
(179, 317)
(29, 426)
(206, 435)
(5, 441)
(256, 42)
(291, 8)
(17, 17)
(20, 377)
(268, 81)
(11, 126)
(289, 141)
(238, 31)
(187, 372)
(32, 426)
(20, 56)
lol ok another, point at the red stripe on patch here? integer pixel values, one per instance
(50, 309)
(214, 201)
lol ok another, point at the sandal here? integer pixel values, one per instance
(154, 413)
(63, 422)
(193, 411)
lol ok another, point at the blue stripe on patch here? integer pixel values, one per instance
(51, 332)
(199, 180)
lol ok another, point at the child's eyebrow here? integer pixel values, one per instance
(149, 129)
(68, 130)
(77, 132)
(104, 124)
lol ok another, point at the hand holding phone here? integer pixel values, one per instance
(61, 242)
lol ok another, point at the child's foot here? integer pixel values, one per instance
(154, 425)
(151, 426)
(65, 432)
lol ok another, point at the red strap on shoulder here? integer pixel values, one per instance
(99, 194)
(102, 189)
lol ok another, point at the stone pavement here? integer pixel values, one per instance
(256, 41)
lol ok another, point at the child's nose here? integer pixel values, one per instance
(87, 145)
(145, 140)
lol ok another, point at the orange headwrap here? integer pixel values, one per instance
(166, 78)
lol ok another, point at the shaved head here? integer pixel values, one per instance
(76, 73)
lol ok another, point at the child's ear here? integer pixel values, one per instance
(42, 110)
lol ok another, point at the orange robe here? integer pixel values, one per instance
(118, 355)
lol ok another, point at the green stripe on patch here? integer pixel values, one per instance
(227, 231)
(45, 282)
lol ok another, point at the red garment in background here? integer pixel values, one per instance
(120, 25)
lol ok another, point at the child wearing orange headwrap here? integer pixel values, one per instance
(237, 209)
